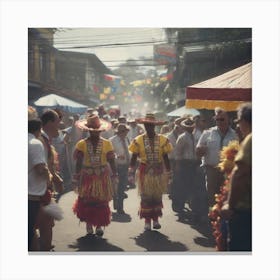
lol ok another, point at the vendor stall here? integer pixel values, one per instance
(53, 101)
(228, 90)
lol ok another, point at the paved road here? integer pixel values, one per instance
(126, 232)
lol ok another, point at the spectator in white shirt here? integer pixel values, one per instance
(209, 146)
(185, 167)
(135, 129)
(120, 143)
(38, 175)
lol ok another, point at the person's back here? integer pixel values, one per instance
(38, 176)
(238, 208)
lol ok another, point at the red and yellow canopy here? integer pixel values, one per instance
(228, 90)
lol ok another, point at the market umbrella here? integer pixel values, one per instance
(179, 112)
(55, 101)
(228, 90)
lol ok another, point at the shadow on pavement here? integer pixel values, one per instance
(92, 243)
(156, 241)
(201, 225)
(205, 242)
(121, 218)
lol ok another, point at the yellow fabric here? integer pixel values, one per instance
(96, 188)
(245, 153)
(106, 147)
(245, 156)
(158, 182)
(212, 104)
(137, 147)
(102, 96)
(107, 90)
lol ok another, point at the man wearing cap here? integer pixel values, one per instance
(173, 136)
(120, 144)
(135, 129)
(209, 146)
(185, 167)
(93, 177)
(151, 176)
(122, 119)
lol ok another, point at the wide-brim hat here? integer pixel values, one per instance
(188, 123)
(93, 123)
(179, 120)
(122, 127)
(150, 119)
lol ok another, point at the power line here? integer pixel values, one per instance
(113, 45)
(128, 36)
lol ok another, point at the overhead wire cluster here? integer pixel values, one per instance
(128, 37)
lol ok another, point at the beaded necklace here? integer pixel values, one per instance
(94, 157)
(152, 152)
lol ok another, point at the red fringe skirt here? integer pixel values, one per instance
(93, 212)
(94, 194)
(150, 210)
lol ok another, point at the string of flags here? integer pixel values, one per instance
(115, 82)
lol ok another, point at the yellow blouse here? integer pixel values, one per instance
(106, 147)
(137, 147)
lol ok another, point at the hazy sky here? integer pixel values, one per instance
(84, 37)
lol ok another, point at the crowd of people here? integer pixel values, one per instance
(100, 156)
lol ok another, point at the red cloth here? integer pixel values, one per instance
(151, 210)
(96, 213)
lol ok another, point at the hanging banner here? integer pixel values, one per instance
(95, 88)
(166, 77)
(165, 54)
(102, 96)
(107, 90)
(109, 77)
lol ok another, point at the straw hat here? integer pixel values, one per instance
(187, 123)
(93, 123)
(150, 119)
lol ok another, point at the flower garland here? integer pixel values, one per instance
(226, 165)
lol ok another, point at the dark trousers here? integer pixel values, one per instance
(240, 231)
(199, 201)
(214, 180)
(33, 210)
(123, 182)
(183, 187)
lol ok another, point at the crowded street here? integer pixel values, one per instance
(126, 234)
(136, 151)
(122, 157)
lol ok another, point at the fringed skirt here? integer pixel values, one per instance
(152, 182)
(94, 193)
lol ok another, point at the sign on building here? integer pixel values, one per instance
(165, 54)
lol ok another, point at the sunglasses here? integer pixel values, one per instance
(220, 119)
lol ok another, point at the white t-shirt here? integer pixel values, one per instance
(36, 155)
(185, 147)
(211, 138)
(120, 149)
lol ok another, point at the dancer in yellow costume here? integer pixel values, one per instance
(93, 176)
(153, 172)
